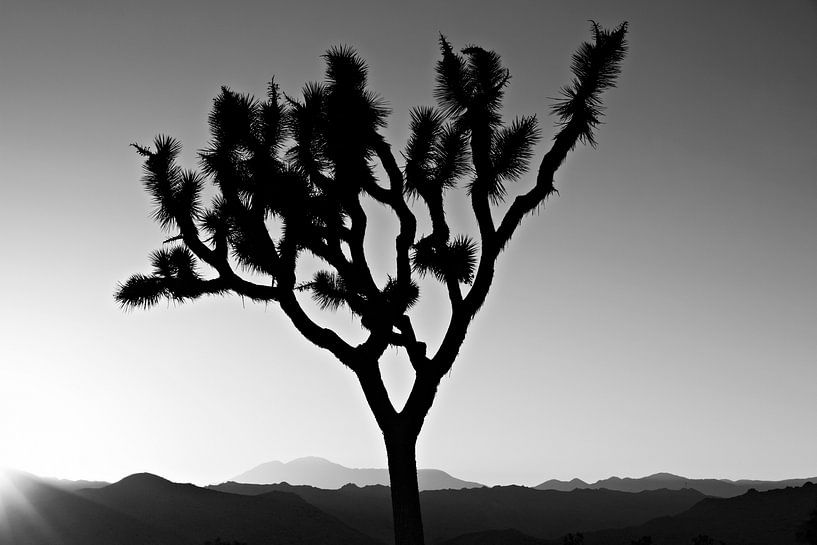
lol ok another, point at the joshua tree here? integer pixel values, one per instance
(290, 175)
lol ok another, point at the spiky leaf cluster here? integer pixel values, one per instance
(330, 292)
(299, 161)
(174, 277)
(399, 298)
(455, 260)
(511, 152)
(304, 162)
(470, 88)
(176, 193)
(436, 154)
(471, 84)
(353, 115)
(595, 67)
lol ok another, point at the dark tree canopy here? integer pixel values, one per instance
(303, 164)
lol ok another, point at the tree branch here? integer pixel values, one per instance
(371, 381)
(408, 223)
(524, 204)
(415, 349)
(481, 156)
(317, 335)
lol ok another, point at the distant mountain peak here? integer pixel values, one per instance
(143, 478)
(322, 473)
(722, 488)
(312, 459)
(666, 477)
(564, 486)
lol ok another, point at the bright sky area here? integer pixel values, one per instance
(659, 315)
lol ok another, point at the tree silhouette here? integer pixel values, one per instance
(290, 175)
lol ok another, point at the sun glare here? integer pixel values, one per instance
(7, 489)
(16, 508)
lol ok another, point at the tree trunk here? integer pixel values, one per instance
(405, 493)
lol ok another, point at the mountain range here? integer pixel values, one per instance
(322, 473)
(754, 518)
(449, 513)
(145, 508)
(721, 488)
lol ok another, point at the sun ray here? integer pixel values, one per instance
(19, 516)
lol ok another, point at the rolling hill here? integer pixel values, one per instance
(755, 518)
(450, 513)
(35, 512)
(721, 488)
(146, 509)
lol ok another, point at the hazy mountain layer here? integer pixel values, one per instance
(450, 513)
(755, 518)
(722, 488)
(35, 512)
(322, 473)
(144, 509)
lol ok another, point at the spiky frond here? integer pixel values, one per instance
(214, 219)
(273, 114)
(236, 135)
(472, 83)
(425, 128)
(353, 116)
(233, 121)
(161, 177)
(345, 68)
(461, 259)
(175, 277)
(455, 260)
(451, 156)
(329, 291)
(188, 194)
(307, 123)
(511, 152)
(436, 152)
(177, 262)
(405, 300)
(428, 257)
(175, 193)
(247, 244)
(595, 68)
(488, 79)
(140, 291)
(452, 90)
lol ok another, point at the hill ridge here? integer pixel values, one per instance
(322, 473)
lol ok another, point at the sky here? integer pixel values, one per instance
(660, 314)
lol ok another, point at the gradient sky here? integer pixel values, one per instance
(659, 315)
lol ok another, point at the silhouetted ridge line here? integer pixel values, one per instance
(322, 473)
(201, 514)
(754, 518)
(450, 513)
(722, 488)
